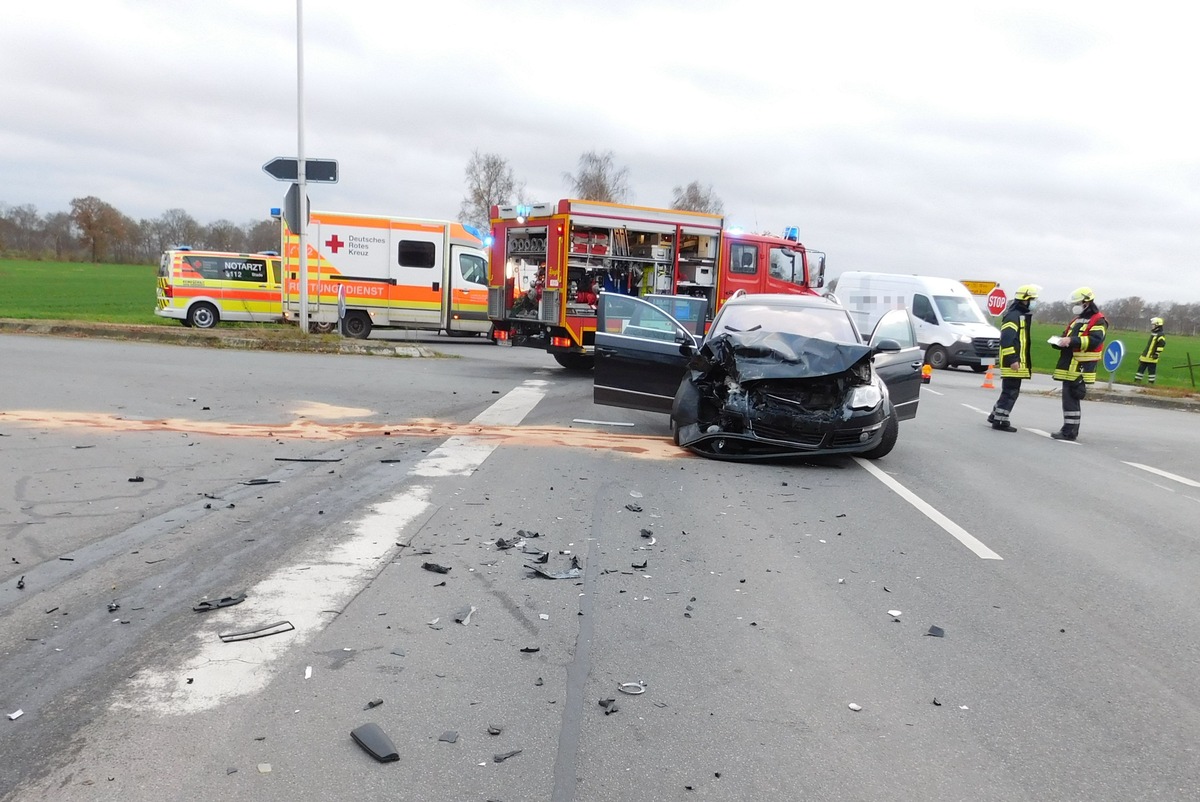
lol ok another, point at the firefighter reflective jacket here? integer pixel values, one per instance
(1079, 358)
(1014, 342)
(1154, 348)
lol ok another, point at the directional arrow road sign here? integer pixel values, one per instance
(316, 171)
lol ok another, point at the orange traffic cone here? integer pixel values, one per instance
(987, 380)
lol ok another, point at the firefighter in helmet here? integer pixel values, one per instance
(1079, 350)
(1148, 361)
(1015, 361)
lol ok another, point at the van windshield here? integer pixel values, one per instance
(955, 309)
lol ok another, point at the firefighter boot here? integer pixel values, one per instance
(1066, 433)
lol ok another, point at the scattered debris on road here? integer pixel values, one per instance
(259, 632)
(503, 756)
(373, 703)
(437, 569)
(449, 736)
(204, 605)
(936, 631)
(855, 707)
(632, 688)
(16, 714)
(375, 742)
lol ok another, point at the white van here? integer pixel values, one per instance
(950, 326)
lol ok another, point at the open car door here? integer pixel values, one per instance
(900, 370)
(639, 364)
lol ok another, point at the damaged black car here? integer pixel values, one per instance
(775, 376)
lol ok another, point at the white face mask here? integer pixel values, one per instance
(1077, 309)
(1032, 305)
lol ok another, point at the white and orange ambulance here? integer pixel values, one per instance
(203, 288)
(372, 271)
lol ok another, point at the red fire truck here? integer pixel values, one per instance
(550, 261)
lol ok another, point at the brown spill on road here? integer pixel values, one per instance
(634, 445)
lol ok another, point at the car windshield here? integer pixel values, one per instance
(825, 323)
(955, 309)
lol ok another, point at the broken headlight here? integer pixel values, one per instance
(865, 396)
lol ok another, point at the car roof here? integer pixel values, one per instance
(785, 300)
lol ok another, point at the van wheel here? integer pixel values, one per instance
(203, 316)
(891, 430)
(321, 328)
(937, 357)
(356, 325)
(979, 368)
(579, 362)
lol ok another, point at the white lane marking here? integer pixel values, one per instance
(1048, 437)
(960, 534)
(935, 392)
(602, 422)
(976, 409)
(209, 673)
(462, 454)
(1181, 479)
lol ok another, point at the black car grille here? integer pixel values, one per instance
(987, 346)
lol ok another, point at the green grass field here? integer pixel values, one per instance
(125, 294)
(1178, 347)
(78, 291)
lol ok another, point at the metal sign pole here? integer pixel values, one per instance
(300, 176)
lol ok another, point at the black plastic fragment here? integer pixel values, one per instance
(449, 736)
(259, 632)
(531, 649)
(376, 742)
(204, 605)
(936, 632)
(936, 703)
(113, 606)
(258, 482)
(574, 572)
(67, 559)
(437, 569)
(545, 558)
(633, 507)
(136, 479)
(307, 459)
(647, 533)
(609, 705)
(21, 583)
(495, 729)
(503, 756)
(643, 564)
(373, 703)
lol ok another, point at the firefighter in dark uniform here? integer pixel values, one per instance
(1148, 361)
(1079, 350)
(1015, 363)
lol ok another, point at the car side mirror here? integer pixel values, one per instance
(886, 347)
(687, 346)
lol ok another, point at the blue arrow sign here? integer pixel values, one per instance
(1113, 354)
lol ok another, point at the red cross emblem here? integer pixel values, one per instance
(333, 243)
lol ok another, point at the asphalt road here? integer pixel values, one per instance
(1063, 576)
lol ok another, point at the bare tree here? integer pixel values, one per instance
(176, 227)
(224, 235)
(490, 182)
(696, 198)
(58, 234)
(99, 224)
(263, 235)
(599, 178)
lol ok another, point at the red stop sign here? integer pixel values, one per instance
(997, 300)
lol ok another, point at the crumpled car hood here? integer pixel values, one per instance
(756, 355)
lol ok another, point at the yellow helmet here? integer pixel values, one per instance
(1156, 322)
(1027, 292)
(1083, 295)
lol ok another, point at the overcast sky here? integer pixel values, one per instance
(1056, 143)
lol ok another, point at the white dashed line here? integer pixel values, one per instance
(976, 409)
(960, 534)
(1048, 437)
(935, 392)
(1164, 474)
